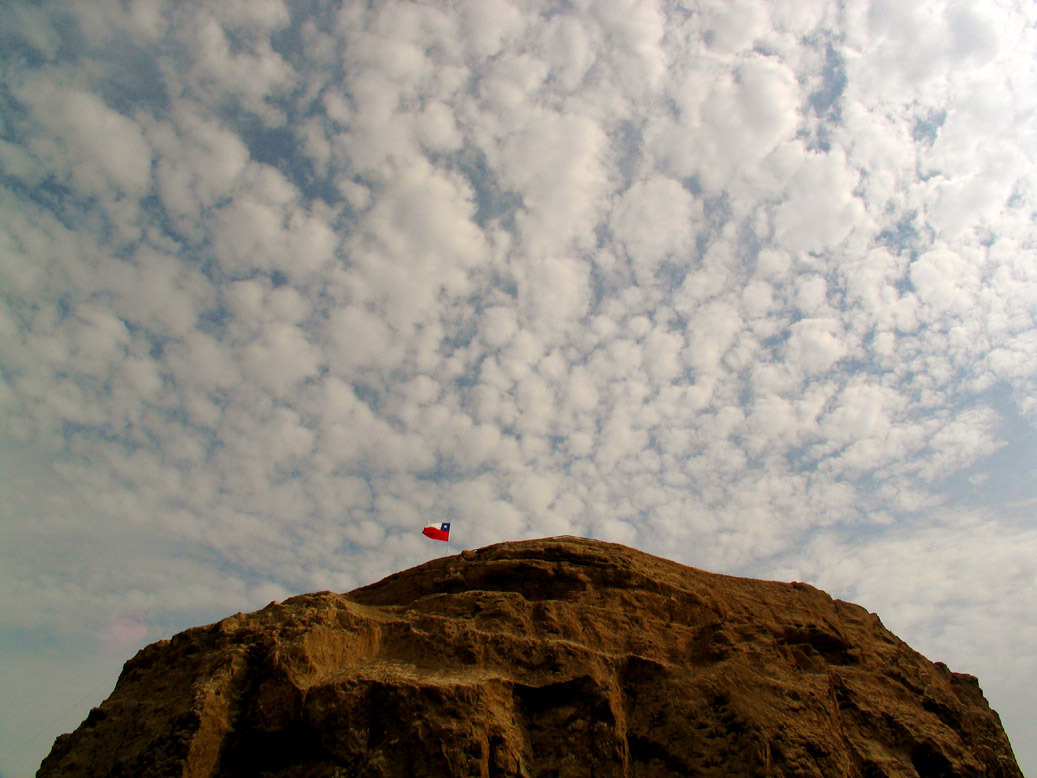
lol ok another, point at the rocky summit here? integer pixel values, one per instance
(556, 657)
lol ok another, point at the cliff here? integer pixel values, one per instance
(556, 657)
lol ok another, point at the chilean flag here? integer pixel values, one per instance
(437, 531)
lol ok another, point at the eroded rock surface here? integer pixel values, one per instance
(556, 657)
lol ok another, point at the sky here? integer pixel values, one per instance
(747, 285)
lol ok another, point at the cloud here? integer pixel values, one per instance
(554, 165)
(748, 285)
(268, 228)
(731, 127)
(232, 57)
(199, 163)
(821, 209)
(85, 140)
(656, 220)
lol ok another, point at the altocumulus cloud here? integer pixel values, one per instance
(750, 285)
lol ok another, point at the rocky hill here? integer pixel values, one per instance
(556, 657)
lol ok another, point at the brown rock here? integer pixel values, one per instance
(557, 657)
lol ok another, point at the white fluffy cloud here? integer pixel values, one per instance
(100, 149)
(820, 209)
(656, 220)
(748, 284)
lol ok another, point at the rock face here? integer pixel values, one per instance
(557, 657)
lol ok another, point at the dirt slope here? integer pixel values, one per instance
(556, 657)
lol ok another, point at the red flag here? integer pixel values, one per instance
(437, 531)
